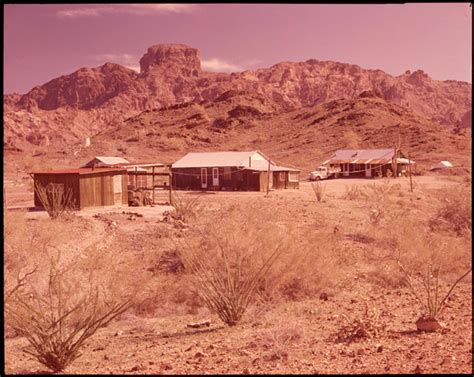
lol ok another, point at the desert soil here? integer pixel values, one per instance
(282, 336)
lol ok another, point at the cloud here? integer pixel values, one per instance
(127, 60)
(217, 65)
(136, 9)
(136, 68)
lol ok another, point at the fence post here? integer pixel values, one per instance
(153, 182)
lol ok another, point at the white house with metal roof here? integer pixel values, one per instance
(231, 170)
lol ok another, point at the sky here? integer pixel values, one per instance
(42, 42)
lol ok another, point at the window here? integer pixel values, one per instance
(293, 176)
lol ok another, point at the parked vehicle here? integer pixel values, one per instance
(324, 172)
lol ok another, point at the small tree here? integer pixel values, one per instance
(58, 319)
(55, 198)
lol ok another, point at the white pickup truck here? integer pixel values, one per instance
(324, 172)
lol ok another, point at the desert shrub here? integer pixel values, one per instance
(431, 301)
(455, 211)
(229, 262)
(431, 264)
(368, 326)
(185, 207)
(353, 192)
(58, 318)
(319, 190)
(380, 201)
(283, 335)
(311, 262)
(56, 199)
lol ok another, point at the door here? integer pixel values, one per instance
(345, 170)
(368, 171)
(203, 178)
(215, 176)
(117, 189)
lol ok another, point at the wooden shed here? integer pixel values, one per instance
(231, 171)
(140, 175)
(90, 187)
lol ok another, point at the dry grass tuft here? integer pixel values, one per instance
(455, 212)
(185, 207)
(282, 335)
(319, 190)
(353, 192)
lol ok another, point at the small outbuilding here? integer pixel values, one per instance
(106, 162)
(442, 165)
(90, 187)
(360, 163)
(231, 171)
(140, 175)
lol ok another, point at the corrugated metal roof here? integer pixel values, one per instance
(81, 171)
(272, 168)
(144, 164)
(110, 160)
(442, 165)
(401, 160)
(361, 156)
(219, 159)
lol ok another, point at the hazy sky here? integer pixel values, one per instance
(42, 42)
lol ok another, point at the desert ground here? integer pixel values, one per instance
(334, 301)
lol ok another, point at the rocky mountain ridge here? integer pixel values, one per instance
(91, 100)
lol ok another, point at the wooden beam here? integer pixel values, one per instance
(170, 174)
(268, 178)
(146, 173)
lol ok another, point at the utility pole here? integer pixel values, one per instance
(394, 162)
(153, 182)
(395, 157)
(409, 173)
(268, 177)
(170, 177)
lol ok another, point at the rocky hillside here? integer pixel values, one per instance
(92, 100)
(302, 137)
